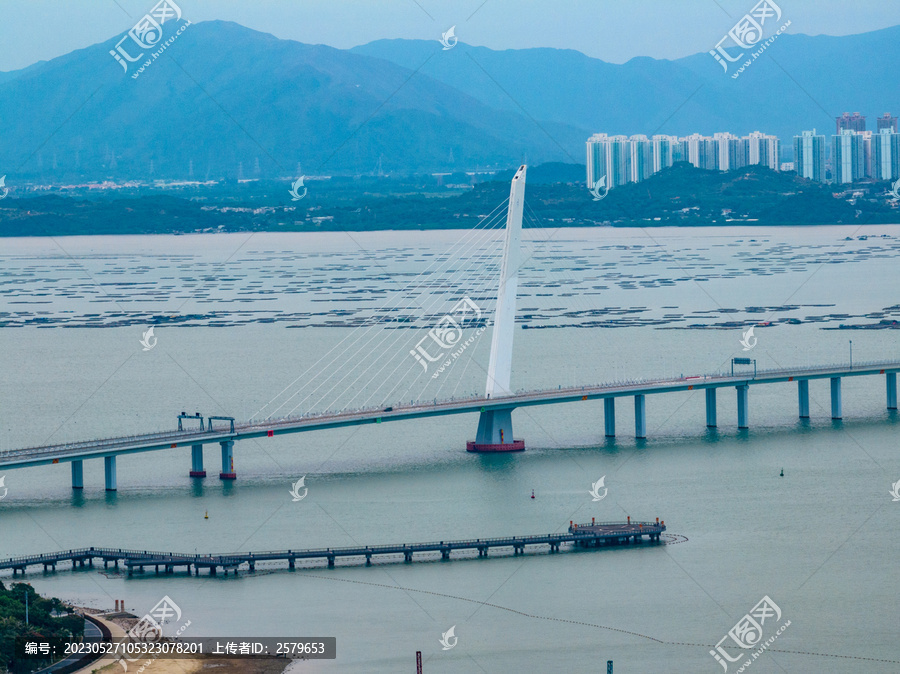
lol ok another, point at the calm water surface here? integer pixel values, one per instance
(820, 541)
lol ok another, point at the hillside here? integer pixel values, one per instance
(678, 196)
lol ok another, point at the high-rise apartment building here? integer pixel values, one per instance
(849, 162)
(886, 122)
(608, 156)
(846, 122)
(886, 155)
(763, 150)
(640, 159)
(809, 155)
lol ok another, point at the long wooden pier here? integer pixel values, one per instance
(591, 535)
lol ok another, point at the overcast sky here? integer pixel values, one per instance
(613, 30)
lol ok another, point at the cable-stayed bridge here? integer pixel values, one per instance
(326, 384)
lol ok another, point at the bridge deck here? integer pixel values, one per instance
(309, 422)
(588, 535)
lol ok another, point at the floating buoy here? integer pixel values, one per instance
(206, 516)
(782, 473)
(532, 493)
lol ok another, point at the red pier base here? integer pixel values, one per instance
(514, 446)
(198, 473)
(227, 476)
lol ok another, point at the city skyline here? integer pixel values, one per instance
(852, 155)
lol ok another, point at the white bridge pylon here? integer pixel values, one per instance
(495, 433)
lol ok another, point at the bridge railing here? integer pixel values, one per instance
(75, 552)
(109, 442)
(121, 442)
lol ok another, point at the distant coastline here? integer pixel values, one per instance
(681, 195)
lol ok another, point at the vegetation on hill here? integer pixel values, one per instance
(47, 618)
(681, 195)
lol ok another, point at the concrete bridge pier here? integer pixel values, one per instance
(835, 397)
(803, 393)
(197, 461)
(227, 460)
(891, 381)
(109, 465)
(77, 475)
(743, 405)
(640, 417)
(609, 416)
(710, 408)
(495, 433)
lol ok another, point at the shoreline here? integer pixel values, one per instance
(119, 622)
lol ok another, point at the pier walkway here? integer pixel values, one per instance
(592, 535)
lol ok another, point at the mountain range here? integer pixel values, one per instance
(226, 101)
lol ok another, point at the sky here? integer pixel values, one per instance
(612, 30)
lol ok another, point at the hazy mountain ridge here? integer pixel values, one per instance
(815, 78)
(224, 97)
(277, 101)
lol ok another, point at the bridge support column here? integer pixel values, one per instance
(803, 393)
(609, 416)
(711, 408)
(640, 417)
(227, 460)
(109, 464)
(891, 380)
(495, 433)
(77, 475)
(743, 405)
(197, 461)
(835, 397)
